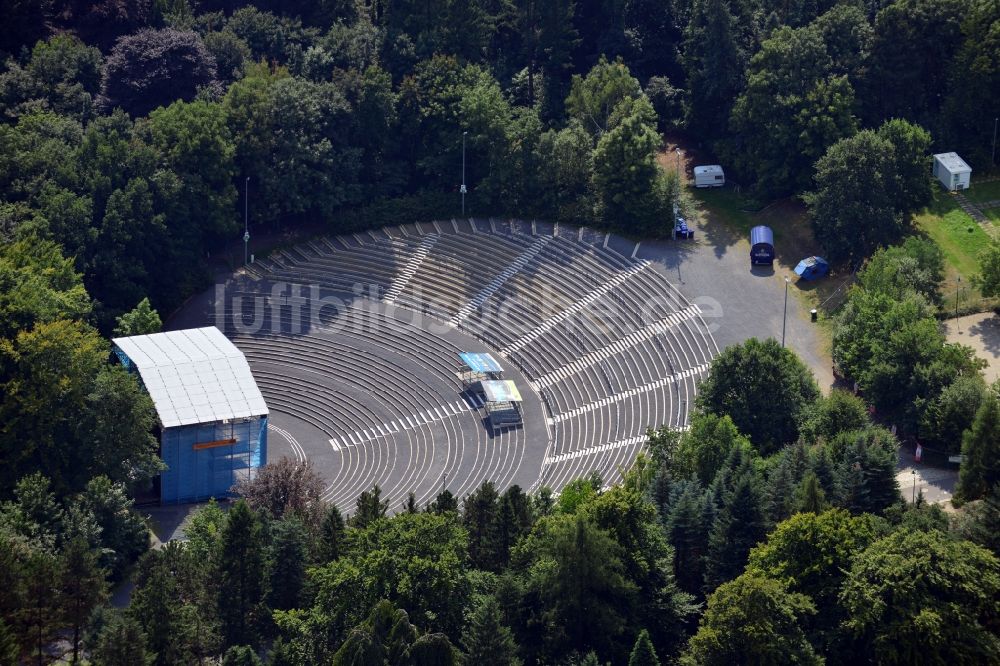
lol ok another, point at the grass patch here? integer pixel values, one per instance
(981, 192)
(960, 238)
(993, 214)
(728, 205)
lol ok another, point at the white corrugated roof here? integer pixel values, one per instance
(708, 168)
(194, 376)
(953, 163)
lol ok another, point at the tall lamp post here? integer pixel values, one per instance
(680, 175)
(246, 219)
(463, 190)
(784, 315)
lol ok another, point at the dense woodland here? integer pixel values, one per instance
(128, 132)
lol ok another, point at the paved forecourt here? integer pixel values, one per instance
(354, 342)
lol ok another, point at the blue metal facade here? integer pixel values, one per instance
(200, 465)
(206, 460)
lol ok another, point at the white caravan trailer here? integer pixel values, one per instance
(710, 175)
(952, 171)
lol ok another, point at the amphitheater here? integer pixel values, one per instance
(354, 341)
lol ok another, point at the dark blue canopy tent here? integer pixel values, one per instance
(761, 245)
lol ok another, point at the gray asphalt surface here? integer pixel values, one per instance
(354, 341)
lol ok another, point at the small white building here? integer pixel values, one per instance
(710, 175)
(952, 171)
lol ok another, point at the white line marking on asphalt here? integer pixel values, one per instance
(610, 350)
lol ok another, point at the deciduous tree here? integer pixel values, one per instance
(923, 596)
(153, 68)
(753, 620)
(763, 387)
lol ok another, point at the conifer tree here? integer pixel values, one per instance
(121, 642)
(286, 565)
(738, 527)
(809, 496)
(445, 502)
(781, 488)
(81, 586)
(241, 567)
(487, 641)
(868, 470)
(480, 519)
(715, 63)
(643, 654)
(687, 530)
(240, 655)
(330, 544)
(980, 468)
(370, 507)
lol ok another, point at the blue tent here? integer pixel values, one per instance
(812, 268)
(761, 245)
(480, 362)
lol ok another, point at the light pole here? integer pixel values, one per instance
(463, 190)
(913, 499)
(679, 154)
(958, 289)
(246, 219)
(784, 315)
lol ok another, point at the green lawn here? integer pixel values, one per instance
(959, 237)
(984, 191)
(727, 204)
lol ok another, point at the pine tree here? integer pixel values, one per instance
(241, 655)
(330, 544)
(38, 617)
(370, 507)
(9, 650)
(809, 496)
(557, 39)
(738, 527)
(643, 653)
(823, 467)
(154, 606)
(980, 468)
(286, 564)
(81, 586)
(687, 530)
(411, 503)
(869, 474)
(981, 522)
(487, 641)
(715, 63)
(480, 519)
(514, 519)
(445, 502)
(121, 642)
(781, 486)
(241, 567)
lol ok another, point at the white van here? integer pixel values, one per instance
(710, 175)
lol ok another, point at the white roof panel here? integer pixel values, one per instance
(953, 163)
(194, 376)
